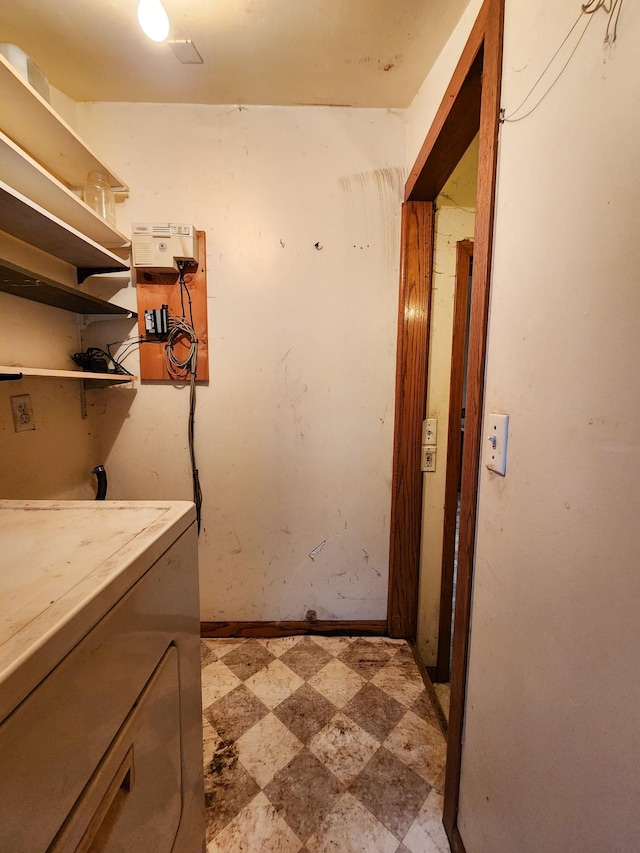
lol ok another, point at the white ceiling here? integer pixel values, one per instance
(363, 53)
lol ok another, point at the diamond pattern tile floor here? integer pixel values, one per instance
(315, 744)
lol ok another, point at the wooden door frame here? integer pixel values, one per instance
(464, 255)
(471, 105)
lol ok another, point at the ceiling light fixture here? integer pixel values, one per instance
(153, 19)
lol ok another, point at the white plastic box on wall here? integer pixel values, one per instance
(26, 68)
(160, 245)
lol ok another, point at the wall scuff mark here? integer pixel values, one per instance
(313, 554)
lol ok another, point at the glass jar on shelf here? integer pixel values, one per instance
(97, 193)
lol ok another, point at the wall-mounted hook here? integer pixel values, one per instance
(319, 246)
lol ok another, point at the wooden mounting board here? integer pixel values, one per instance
(157, 289)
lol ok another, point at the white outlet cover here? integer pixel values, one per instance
(428, 461)
(495, 442)
(22, 412)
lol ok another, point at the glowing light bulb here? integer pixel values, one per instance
(153, 19)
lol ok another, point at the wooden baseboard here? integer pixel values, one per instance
(286, 629)
(455, 841)
(425, 672)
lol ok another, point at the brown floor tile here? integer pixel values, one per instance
(207, 655)
(305, 712)
(304, 793)
(235, 713)
(391, 791)
(228, 787)
(405, 653)
(375, 711)
(248, 659)
(365, 658)
(306, 659)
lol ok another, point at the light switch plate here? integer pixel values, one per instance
(430, 431)
(495, 443)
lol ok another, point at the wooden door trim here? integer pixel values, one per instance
(464, 254)
(411, 396)
(483, 240)
(456, 122)
(433, 166)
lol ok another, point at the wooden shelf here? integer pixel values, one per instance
(35, 126)
(26, 220)
(91, 380)
(21, 282)
(26, 176)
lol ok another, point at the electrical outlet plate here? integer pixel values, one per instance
(22, 413)
(428, 459)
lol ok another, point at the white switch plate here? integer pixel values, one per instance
(428, 462)
(495, 442)
(430, 431)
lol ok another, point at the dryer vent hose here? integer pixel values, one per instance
(101, 474)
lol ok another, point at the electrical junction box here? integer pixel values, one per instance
(160, 245)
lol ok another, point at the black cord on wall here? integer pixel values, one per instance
(183, 331)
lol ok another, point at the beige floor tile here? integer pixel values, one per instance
(217, 681)
(279, 645)
(337, 682)
(426, 834)
(266, 748)
(343, 747)
(334, 645)
(257, 829)
(400, 679)
(351, 828)
(419, 745)
(443, 692)
(274, 684)
(223, 645)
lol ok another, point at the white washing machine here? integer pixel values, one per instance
(100, 703)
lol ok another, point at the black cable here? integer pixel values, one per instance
(86, 359)
(179, 330)
(197, 491)
(123, 354)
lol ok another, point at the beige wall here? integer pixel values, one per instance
(551, 739)
(295, 428)
(423, 108)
